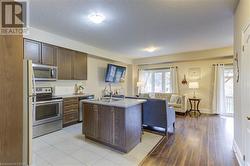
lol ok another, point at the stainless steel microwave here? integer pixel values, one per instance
(45, 72)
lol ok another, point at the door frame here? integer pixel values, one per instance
(244, 114)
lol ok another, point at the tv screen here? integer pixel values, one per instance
(115, 74)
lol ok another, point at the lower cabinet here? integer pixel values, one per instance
(119, 121)
(113, 126)
(106, 123)
(91, 120)
(70, 118)
(70, 111)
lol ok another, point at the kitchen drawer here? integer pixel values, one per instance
(71, 108)
(93, 107)
(70, 101)
(70, 118)
(70, 111)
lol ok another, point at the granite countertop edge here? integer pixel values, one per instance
(125, 103)
(73, 95)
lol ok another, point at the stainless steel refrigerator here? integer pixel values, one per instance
(29, 107)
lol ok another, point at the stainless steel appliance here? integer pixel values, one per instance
(45, 72)
(29, 104)
(81, 107)
(47, 116)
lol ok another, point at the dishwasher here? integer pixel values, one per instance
(81, 109)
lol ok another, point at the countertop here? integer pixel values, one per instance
(73, 95)
(124, 103)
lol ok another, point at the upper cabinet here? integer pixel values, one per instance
(64, 64)
(32, 50)
(40, 53)
(72, 65)
(49, 53)
(79, 66)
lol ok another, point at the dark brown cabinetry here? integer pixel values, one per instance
(49, 53)
(40, 53)
(91, 120)
(32, 50)
(79, 66)
(72, 65)
(64, 64)
(11, 100)
(117, 127)
(119, 123)
(70, 111)
(106, 124)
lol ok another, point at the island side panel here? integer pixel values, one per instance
(106, 115)
(133, 126)
(116, 127)
(90, 124)
(119, 128)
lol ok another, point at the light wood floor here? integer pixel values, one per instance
(203, 141)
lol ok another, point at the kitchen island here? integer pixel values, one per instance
(113, 122)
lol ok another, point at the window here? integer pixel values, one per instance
(167, 82)
(228, 78)
(155, 81)
(158, 82)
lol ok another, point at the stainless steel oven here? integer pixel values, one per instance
(47, 115)
(45, 72)
(47, 111)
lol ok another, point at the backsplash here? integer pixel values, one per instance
(66, 87)
(62, 87)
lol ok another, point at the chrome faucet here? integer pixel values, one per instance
(110, 92)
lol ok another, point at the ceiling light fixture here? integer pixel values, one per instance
(96, 18)
(150, 49)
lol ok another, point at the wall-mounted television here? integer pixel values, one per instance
(115, 73)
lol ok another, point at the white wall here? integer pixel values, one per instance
(96, 75)
(188, 56)
(205, 92)
(242, 18)
(130, 80)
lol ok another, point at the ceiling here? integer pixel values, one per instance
(131, 25)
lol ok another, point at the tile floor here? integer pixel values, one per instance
(68, 147)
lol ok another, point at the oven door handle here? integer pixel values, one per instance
(49, 102)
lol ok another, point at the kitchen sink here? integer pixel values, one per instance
(106, 99)
(110, 99)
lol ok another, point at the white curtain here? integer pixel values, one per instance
(218, 106)
(145, 79)
(174, 80)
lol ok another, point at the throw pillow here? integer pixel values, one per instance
(151, 95)
(174, 99)
(179, 100)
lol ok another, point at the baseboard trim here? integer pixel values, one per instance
(181, 113)
(238, 154)
(205, 111)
